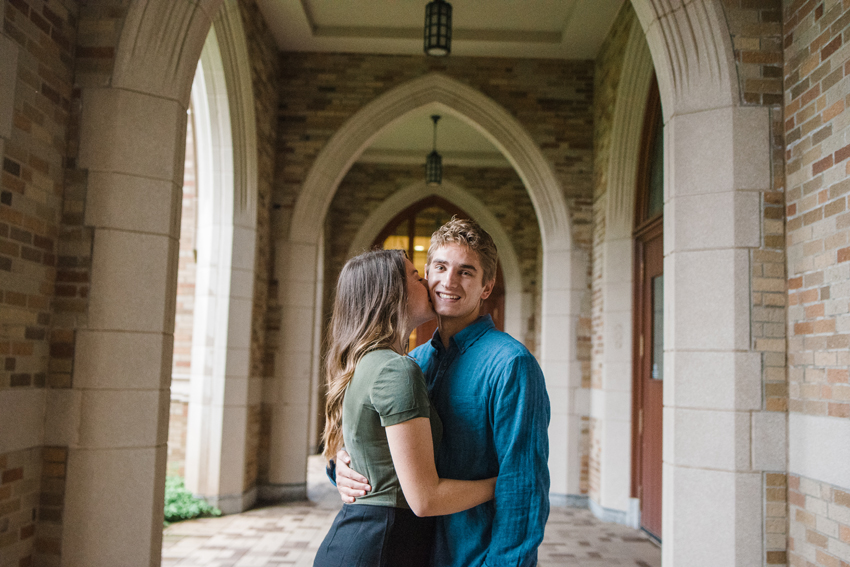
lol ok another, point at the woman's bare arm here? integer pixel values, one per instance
(427, 494)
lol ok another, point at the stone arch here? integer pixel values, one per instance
(712, 491)
(514, 315)
(221, 385)
(468, 104)
(692, 51)
(564, 270)
(609, 403)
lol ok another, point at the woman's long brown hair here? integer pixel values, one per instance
(370, 312)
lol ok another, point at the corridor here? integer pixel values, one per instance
(289, 534)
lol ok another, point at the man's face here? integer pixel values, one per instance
(455, 279)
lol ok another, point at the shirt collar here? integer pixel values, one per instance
(467, 336)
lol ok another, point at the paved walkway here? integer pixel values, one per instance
(289, 534)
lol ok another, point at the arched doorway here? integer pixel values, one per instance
(648, 330)
(411, 231)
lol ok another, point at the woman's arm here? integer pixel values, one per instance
(427, 494)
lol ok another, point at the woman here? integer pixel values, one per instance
(377, 404)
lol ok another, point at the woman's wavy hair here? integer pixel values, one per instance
(370, 312)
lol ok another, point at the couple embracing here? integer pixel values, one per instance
(440, 455)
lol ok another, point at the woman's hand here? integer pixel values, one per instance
(349, 483)
(427, 494)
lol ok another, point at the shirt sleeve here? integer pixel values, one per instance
(521, 433)
(398, 393)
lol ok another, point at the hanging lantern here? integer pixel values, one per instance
(434, 162)
(438, 28)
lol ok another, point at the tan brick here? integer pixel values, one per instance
(817, 539)
(826, 560)
(804, 518)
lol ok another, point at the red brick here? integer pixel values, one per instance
(814, 311)
(12, 475)
(830, 48)
(842, 154)
(833, 111)
(822, 165)
(796, 499)
(844, 255)
(805, 328)
(795, 283)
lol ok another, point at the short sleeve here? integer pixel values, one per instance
(398, 393)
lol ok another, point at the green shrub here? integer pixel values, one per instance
(180, 504)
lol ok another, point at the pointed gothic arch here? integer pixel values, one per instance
(399, 201)
(564, 270)
(222, 388)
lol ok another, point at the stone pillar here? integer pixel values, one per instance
(564, 289)
(712, 500)
(132, 145)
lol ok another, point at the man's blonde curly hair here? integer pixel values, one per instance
(469, 234)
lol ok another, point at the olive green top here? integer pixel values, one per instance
(386, 389)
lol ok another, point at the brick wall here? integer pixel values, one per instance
(756, 30)
(33, 184)
(818, 223)
(178, 422)
(32, 494)
(32, 188)
(817, 60)
(20, 473)
(185, 305)
(607, 71)
(820, 523)
(265, 72)
(181, 364)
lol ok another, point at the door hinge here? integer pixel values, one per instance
(640, 348)
(640, 421)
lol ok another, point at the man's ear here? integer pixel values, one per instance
(488, 289)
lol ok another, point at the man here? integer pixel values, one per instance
(490, 394)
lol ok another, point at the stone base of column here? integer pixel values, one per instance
(273, 493)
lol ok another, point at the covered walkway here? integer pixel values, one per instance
(290, 534)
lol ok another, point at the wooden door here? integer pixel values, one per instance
(649, 379)
(648, 348)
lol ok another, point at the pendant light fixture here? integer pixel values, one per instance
(438, 28)
(434, 163)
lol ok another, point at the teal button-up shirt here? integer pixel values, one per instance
(491, 396)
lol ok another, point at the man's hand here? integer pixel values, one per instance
(349, 483)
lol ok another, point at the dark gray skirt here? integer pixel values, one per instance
(377, 536)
